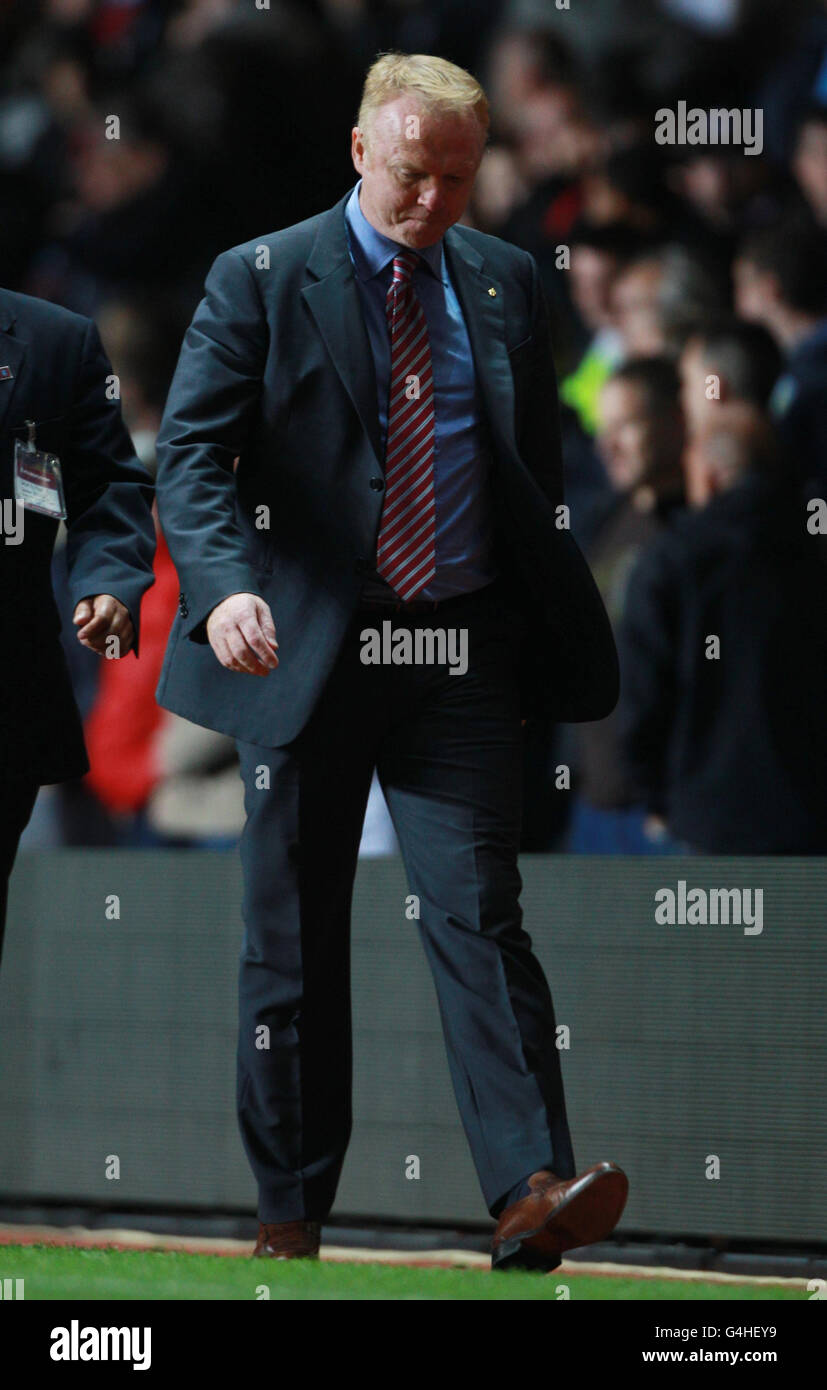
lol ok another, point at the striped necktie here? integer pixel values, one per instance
(406, 546)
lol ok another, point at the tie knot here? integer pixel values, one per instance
(404, 266)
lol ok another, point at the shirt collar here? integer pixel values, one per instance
(372, 250)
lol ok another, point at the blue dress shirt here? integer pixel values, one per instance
(464, 520)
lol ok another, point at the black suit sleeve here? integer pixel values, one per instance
(539, 438)
(110, 531)
(212, 401)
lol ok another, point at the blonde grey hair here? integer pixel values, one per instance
(440, 86)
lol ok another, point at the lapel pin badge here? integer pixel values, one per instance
(492, 292)
(6, 374)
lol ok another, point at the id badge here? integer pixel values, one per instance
(38, 482)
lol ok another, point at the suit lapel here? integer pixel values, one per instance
(484, 315)
(12, 353)
(333, 300)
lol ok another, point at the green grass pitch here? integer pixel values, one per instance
(54, 1272)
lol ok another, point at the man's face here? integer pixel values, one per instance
(626, 434)
(810, 165)
(708, 183)
(592, 276)
(755, 291)
(694, 371)
(418, 169)
(635, 302)
(696, 473)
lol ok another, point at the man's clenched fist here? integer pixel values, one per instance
(100, 616)
(242, 634)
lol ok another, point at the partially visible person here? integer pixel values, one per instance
(134, 221)
(138, 344)
(797, 81)
(725, 195)
(724, 656)
(628, 187)
(197, 799)
(641, 439)
(381, 281)
(598, 256)
(55, 374)
(809, 162)
(781, 282)
(659, 296)
(727, 359)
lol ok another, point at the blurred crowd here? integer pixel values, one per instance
(687, 286)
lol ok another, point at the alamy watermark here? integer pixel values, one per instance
(711, 907)
(692, 125)
(420, 646)
(81, 1343)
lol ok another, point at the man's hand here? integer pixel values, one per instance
(100, 616)
(242, 634)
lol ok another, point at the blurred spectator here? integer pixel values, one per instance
(628, 187)
(781, 282)
(659, 298)
(809, 163)
(142, 343)
(452, 28)
(636, 307)
(40, 98)
(135, 220)
(523, 61)
(287, 93)
(543, 139)
(598, 257)
(736, 446)
(645, 50)
(726, 359)
(724, 655)
(195, 21)
(725, 194)
(607, 41)
(710, 16)
(197, 796)
(641, 439)
(498, 189)
(797, 78)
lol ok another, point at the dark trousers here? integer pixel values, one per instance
(448, 752)
(17, 797)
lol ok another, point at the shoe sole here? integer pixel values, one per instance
(269, 1255)
(258, 1254)
(581, 1219)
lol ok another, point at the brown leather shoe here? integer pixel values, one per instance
(289, 1240)
(559, 1215)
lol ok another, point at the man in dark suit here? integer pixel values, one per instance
(725, 655)
(384, 380)
(55, 374)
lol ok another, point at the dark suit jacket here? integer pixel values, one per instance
(276, 369)
(58, 379)
(733, 751)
